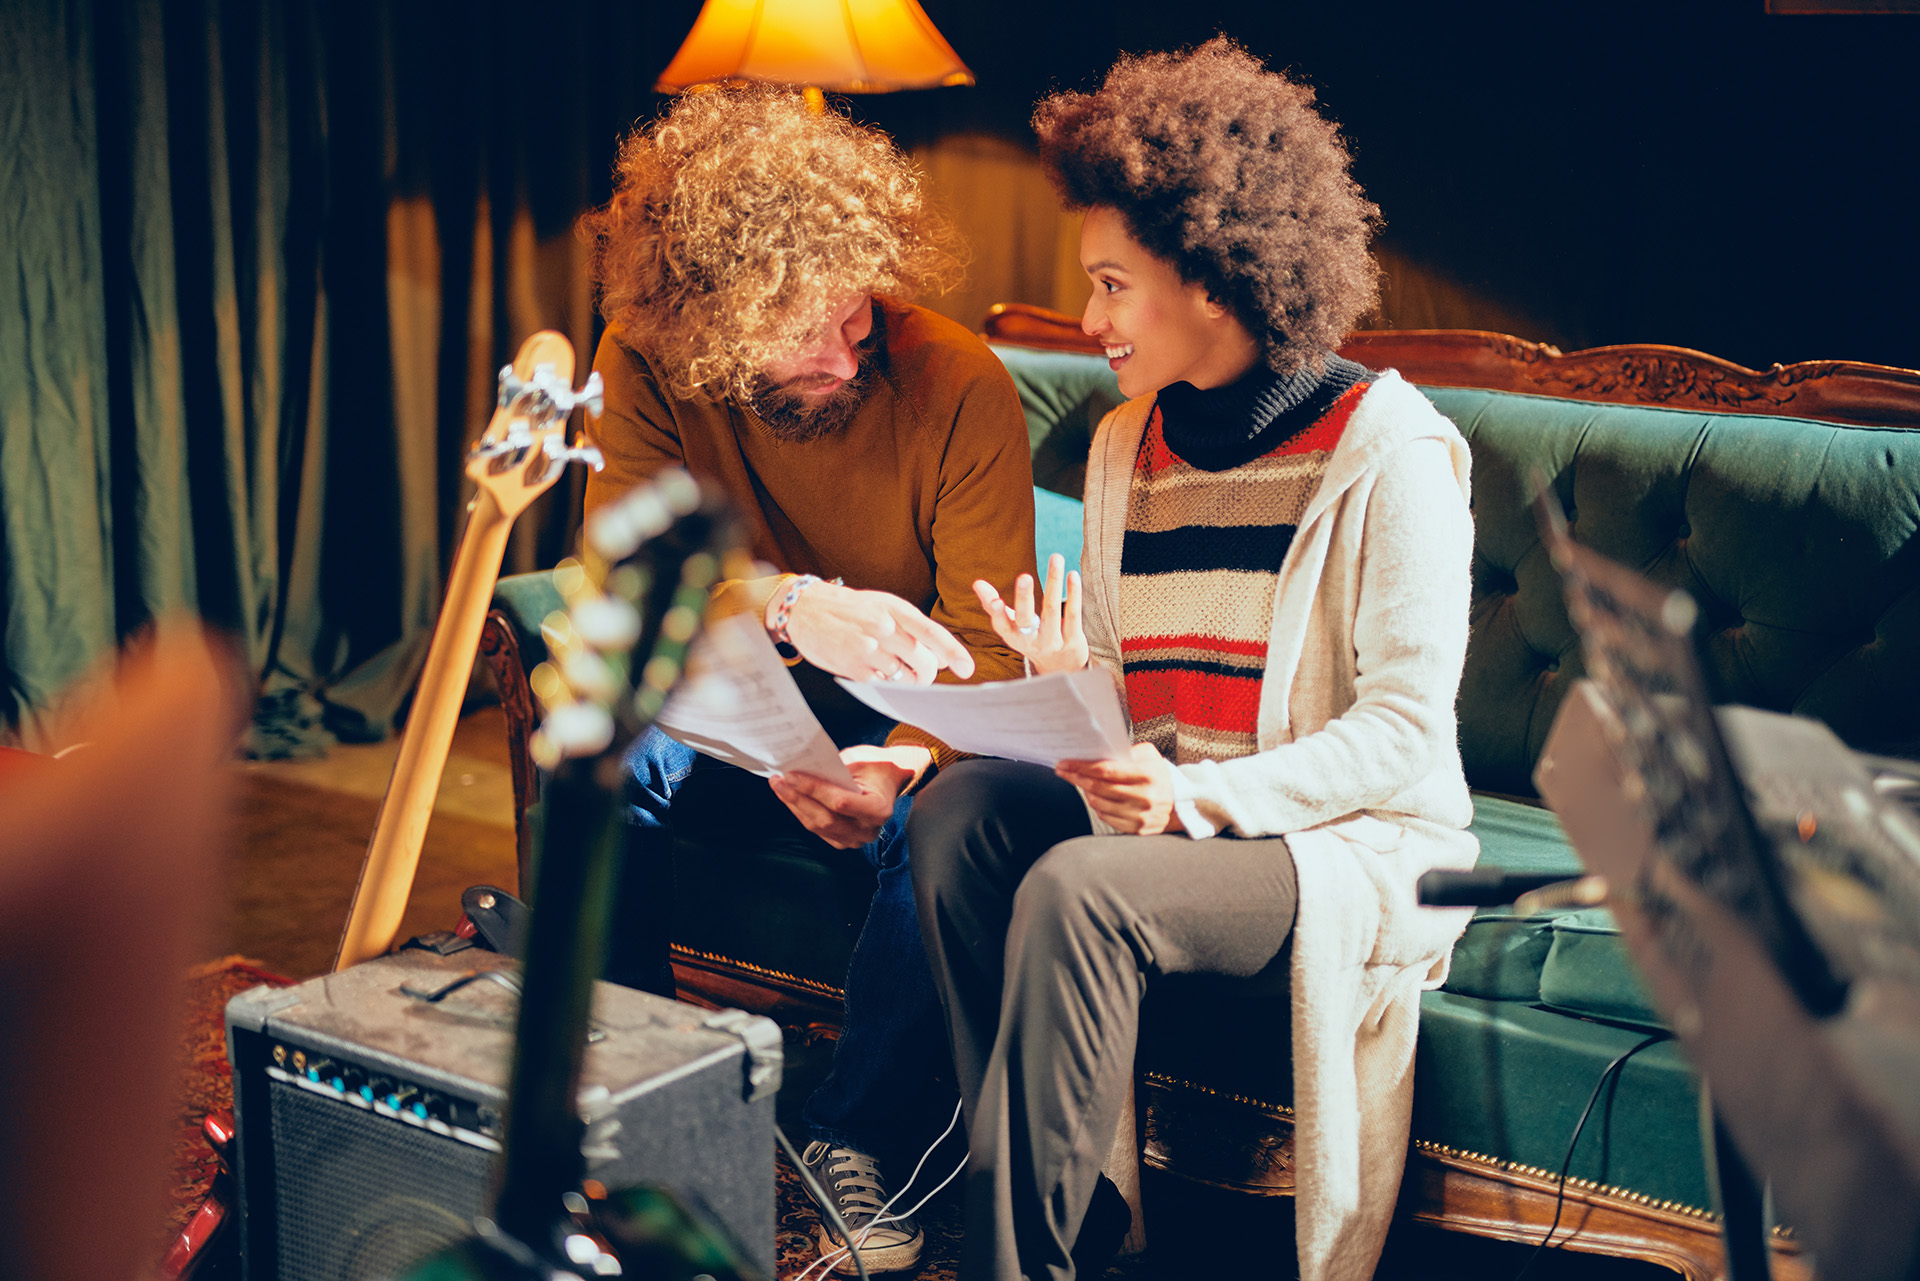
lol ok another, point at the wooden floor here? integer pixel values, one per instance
(301, 829)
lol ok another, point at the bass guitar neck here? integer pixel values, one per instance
(518, 457)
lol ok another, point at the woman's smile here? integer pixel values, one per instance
(1156, 328)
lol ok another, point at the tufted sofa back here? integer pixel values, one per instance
(1797, 538)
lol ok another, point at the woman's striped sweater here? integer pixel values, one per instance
(1219, 486)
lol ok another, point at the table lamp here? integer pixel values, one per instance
(848, 46)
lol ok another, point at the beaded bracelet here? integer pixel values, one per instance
(778, 630)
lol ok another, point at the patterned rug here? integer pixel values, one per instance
(208, 1081)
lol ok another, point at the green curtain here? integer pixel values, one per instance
(265, 261)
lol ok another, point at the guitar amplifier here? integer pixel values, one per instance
(368, 1109)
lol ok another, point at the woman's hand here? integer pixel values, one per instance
(868, 636)
(1049, 638)
(1133, 795)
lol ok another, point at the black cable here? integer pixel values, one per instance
(1560, 1197)
(824, 1201)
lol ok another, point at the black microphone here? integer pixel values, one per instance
(1483, 887)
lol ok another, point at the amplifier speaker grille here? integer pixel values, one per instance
(368, 1121)
(360, 1196)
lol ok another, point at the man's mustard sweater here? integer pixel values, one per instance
(928, 487)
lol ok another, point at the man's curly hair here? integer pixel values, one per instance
(738, 217)
(1224, 169)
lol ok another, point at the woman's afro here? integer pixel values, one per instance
(1224, 169)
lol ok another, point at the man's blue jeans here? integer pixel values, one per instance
(895, 1035)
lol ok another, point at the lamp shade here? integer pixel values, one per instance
(849, 46)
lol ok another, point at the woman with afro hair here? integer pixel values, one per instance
(1276, 580)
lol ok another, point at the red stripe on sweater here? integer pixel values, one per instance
(1202, 699)
(1326, 433)
(1154, 457)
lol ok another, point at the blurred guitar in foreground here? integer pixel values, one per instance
(649, 563)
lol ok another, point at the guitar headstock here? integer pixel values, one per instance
(635, 598)
(525, 446)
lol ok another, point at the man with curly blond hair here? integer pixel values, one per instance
(753, 267)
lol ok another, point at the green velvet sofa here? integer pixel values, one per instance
(1786, 502)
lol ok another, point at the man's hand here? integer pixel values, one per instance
(847, 820)
(867, 636)
(1133, 795)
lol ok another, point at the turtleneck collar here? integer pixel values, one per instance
(1223, 427)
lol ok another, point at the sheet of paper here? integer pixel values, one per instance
(1063, 717)
(738, 703)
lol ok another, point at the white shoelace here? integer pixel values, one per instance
(853, 1178)
(831, 1257)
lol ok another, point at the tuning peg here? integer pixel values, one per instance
(587, 454)
(510, 386)
(607, 625)
(590, 677)
(575, 729)
(558, 393)
(615, 531)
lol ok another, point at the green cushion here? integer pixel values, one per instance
(1518, 837)
(1500, 954)
(1500, 1079)
(1588, 972)
(1507, 1080)
(526, 600)
(1064, 396)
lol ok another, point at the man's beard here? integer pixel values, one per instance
(793, 416)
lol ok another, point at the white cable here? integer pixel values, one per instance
(835, 1256)
(832, 1257)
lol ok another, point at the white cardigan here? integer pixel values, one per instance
(1358, 767)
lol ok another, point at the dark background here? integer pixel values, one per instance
(268, 257)
(1693, 172)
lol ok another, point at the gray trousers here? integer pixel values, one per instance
(1042, 939)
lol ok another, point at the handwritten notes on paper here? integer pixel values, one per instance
(1063, 717)
(738, 703)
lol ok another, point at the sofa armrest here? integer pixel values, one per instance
(511, 645)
